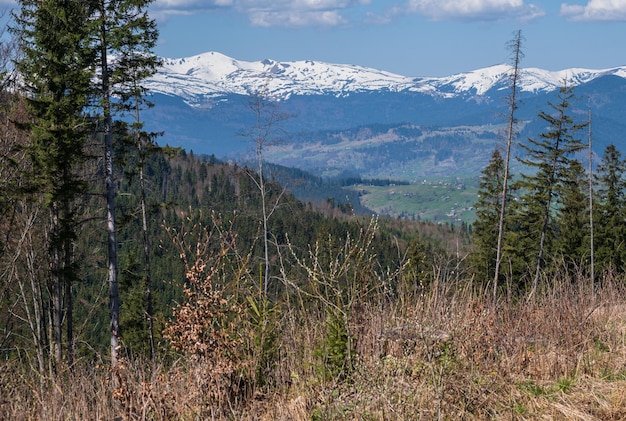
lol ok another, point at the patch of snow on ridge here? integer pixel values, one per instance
(482, 79)
(212, 74)
(276, 79)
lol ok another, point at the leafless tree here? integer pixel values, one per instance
(591, 245)
(267, 131)
(516, 47)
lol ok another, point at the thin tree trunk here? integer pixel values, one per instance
(112, 244)
(517, 55)
(148, 285)
(57, 311)
(542, 242)
(146, 249)
(35, 318)
(39, 314)
(591, 246)
(260, 139)
(545, 223)
(68, 277)
(110, 192)
(265, 225)
(69, 310)
(146, 236)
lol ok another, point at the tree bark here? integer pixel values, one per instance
(114, 302)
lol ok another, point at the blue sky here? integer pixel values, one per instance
(409, 37)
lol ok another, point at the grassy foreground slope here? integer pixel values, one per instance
(440, 352)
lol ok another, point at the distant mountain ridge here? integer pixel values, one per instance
(213, 74)
(356, 121)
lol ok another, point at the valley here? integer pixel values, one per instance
(339, 122)
(440, 201)
(217, 239)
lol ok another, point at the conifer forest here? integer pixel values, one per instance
(142, 282)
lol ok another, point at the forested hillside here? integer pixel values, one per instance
(144, 282)
(183, 194)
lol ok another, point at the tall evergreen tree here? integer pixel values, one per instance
(124, 38)
(549, 155)
(56, 67)
(611, 210)
(573, 217)
(485, 228)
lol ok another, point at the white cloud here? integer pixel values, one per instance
(182, 5)
(297, 19)
(475, 9)
(287, 13)
(161, 9)
(300, 13)
(596, 10)
(379, 19)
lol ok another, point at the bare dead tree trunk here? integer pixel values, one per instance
(517, 56)
(55, 291)
(26, 257)
(68, 274)
(591, 245)
(146, 244)
(69, 304)
(266, 132)
(263, 191)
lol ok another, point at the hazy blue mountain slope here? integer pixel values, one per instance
(354, 120)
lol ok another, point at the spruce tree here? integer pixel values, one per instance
(573, 218)
(56, 69)
(485, 228)
(610, 209)
(548, 156)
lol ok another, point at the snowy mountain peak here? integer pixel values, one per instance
(213, 75)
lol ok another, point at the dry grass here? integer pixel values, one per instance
(446, 354)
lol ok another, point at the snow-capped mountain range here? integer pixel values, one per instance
(347, 119)
(213, 74)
